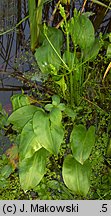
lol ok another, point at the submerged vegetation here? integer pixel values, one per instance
(60, 132)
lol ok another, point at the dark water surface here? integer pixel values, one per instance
(14, 54)
(14, 47)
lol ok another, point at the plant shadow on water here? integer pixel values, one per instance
(19, 72)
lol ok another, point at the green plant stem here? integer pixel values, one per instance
(87, 69)
(71, 75)
(75, 77)
(81, 77)
(70, 78)
(82, 70)
(71, 88)
(56, 52)
(21, 21)
(102, 4)
(68, 41)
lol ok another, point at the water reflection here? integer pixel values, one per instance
(13, 43)
(8, 14)
(13, 46)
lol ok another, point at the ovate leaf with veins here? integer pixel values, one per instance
(55, 100)
(21, 116)
(32, 170)
(28, 142)
(82, 141)
(49, 130)
(56, 116)
(41, 127)
(109, 51)
(56, 128)
(81, 30)
(19, 100)
(45, 54)
(91, 53)
(76, 176)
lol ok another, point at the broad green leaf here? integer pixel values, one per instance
(49, 133)
(19, 100)
(21, 116)
(76, 176)
(28, 142)
(55, 100)
(35, 17)
(91, 52)
(3, 182)
(110, 37)
(48, 107)
(57, 134)
(33, 23)
(82, 142)
(41, 127)
(56, 116)
(109, 51)
(32, 170)
(57, 131)
(82, 31)
(45, 55)
(61, 106)
(3, 117)
(6, 170)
